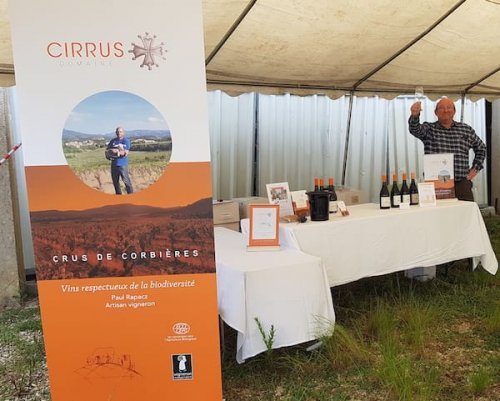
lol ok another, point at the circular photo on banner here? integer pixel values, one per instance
(116, 142)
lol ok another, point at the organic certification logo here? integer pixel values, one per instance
(181, 328)
(180, 332)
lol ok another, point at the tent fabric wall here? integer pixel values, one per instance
(300, 138)
(368, 141)
(232, 128)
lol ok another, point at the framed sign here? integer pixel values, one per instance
(279, 194)
(438, 168)
(264, 227)
(426, 194)
(115, 122)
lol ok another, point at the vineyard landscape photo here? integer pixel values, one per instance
(149, 155)
(91, 126)
(97, 243)
(110, 235)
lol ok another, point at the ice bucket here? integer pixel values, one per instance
(319, 205)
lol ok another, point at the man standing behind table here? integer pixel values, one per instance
(117, 152)
(448, 136)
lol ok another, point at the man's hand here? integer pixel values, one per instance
(415, 109)
(472, 173)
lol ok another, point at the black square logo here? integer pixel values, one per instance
(182, 366)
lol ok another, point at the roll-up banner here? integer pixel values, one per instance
(113, 116)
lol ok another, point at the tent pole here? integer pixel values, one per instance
(462, 107)
(231, 30)
(472, 85)
(255, 152)
(348, 130)
(414, 41)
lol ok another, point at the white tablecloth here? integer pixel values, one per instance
(372, 242)
(287, 289)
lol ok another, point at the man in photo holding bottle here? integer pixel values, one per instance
(117, 151)
(449, 136)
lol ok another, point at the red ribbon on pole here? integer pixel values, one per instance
(9, 154)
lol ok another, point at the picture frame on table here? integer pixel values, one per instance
(263, 233)
(426, 194)
(279, 194)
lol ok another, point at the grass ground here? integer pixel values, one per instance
(394, 339)
(94, 159)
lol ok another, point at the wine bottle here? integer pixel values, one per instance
(405, 191)
(413, 191)
(316, 184)
(395, 193)
(385, 197)
(321, 184)
(332, 196)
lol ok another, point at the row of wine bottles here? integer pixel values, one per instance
(332, 195)
(407, 194)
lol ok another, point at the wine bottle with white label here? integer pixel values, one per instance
(385, 197)
(332, 196)
(395, 193)
(413, 191)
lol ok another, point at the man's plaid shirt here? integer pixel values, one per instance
(458, 139)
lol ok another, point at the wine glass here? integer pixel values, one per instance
(419, 93)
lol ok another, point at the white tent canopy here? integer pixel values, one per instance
(386, 47)
(323, 46)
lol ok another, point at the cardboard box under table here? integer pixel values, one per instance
(226, 214)
(287, 289)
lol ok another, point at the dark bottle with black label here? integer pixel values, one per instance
(413, 191)
(385, 197)
(405, 191)
(332, 196)
(395, 193)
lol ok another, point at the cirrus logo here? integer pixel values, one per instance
(83, 52)
(181, 328)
